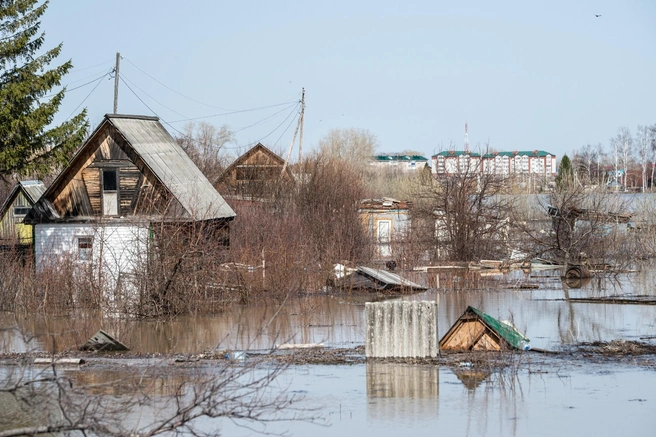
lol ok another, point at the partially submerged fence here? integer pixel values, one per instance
(401, 329)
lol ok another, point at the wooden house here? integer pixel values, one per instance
(127, 180)
(255, 175)
(19, 202)
(386, 220)
(477, 331)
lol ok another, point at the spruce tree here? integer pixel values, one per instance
(29, 144)
(565, 173)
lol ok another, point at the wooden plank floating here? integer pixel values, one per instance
(299, 346)
(78, 361)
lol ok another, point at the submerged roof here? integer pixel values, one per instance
(376, 279)
(502, 329)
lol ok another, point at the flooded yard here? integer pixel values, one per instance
(536, 394)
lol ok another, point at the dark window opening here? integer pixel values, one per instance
(21, 210)
(110, 181)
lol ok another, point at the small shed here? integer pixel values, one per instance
(477, 331)
(254, 175)
(19, 202)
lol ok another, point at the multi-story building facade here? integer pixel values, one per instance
(456, 161)
(536, 162)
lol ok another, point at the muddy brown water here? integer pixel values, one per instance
(541, 398)
(546, 315)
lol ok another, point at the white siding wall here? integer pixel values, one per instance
(118, 248)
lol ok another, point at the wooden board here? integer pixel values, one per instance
(464, 335)
(487, 342)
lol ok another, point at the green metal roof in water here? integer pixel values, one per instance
(504, 330)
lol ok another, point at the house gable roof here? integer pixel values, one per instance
(161, 155)
(259, 147)
(32, 190)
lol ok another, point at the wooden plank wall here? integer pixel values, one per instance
(140, 193)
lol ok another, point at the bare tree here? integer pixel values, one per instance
(144, 400)
(352, 145)
(622, 144)
(577, 225)
(464, 216)
(204, 143)
(643, 140)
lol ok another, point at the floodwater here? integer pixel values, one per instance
(542, 396)
(546, 315)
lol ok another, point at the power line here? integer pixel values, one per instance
(266, 118)
(196, 141)
(237, 112)
(85, 99)
(229, 111)
(77, 87)
(171, 89)
(286, 129)
(75, 70)
(140, 99)
(275, 129)
(123, 76)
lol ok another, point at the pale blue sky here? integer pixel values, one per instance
(525, 74)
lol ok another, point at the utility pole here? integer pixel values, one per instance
(299, 125)
(116, 70)
(302, 121)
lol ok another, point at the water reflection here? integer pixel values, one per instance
(546, 315)
(387, 383)
(471, 378)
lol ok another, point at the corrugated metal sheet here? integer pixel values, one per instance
(391, 280)
(171, 165)
(33, 190)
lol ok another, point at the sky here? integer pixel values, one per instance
(524, 75)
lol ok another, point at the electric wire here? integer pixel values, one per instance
(237, 112)
(155, 113)
(85, 99)
(228, 111)
(140, 99)
(286, 129)
(171, 89)
(266, 118)
(75, 70)
(275, 129)
(123, 76)
(294, 110)
(79, 86)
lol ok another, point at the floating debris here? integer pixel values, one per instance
(641, 299)
(102, 341)
(299, 346)
(374, 279)
(78, 361)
